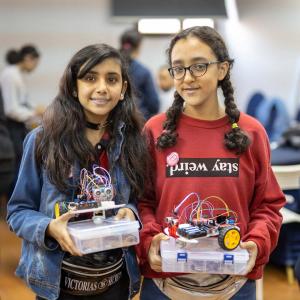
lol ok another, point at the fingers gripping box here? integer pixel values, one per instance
(203, 257)
(89, 237)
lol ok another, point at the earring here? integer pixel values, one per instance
(74, 94)
(121, 97)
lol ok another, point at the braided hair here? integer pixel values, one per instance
(235, 139)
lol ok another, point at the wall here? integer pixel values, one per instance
(59, 28)
(264, 42)
(266, 48)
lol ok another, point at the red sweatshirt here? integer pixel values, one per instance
(245, 182)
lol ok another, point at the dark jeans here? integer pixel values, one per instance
(17, 132)
(150, 291)
(118, 291)
(248, 291)
(7, 159)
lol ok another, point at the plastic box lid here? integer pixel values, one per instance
(88, 229)
(109, 234)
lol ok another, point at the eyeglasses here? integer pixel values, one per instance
(196, 70)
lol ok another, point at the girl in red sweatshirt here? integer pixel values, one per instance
(201, 146)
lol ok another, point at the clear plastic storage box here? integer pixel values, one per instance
(109, 234)
(204, 257)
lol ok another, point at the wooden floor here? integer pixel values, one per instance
(11, 288)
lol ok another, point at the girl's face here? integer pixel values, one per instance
(29, 63)
(100, 90)
(199, 93)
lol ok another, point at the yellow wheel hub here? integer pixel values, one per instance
(56, 210)
(232, 239)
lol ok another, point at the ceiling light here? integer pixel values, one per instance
(187, 23)
(159, 26)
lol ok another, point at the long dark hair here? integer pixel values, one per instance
(235, 139)
(62, 139)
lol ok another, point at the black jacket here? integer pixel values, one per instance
(7, 155)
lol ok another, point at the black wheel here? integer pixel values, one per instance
(229, 237)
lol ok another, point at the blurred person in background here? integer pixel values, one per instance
(166, 88)
(17, 109)
(148, 101)
(7, 156)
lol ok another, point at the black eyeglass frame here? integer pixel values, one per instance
(191, 71)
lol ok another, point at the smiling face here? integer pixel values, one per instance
(199, 93)
(100, 90)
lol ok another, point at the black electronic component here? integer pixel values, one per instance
(221, 219)
(192, 232)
